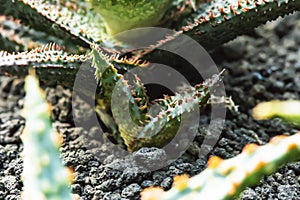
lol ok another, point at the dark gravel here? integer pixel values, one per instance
(262, 66)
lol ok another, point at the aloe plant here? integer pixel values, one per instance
(84, 26)
(44, 176)
(225, 179)
(231, 176)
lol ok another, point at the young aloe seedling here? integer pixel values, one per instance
(44, 176)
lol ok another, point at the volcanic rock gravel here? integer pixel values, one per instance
(262, 65)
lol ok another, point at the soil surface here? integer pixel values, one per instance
(261, 66)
